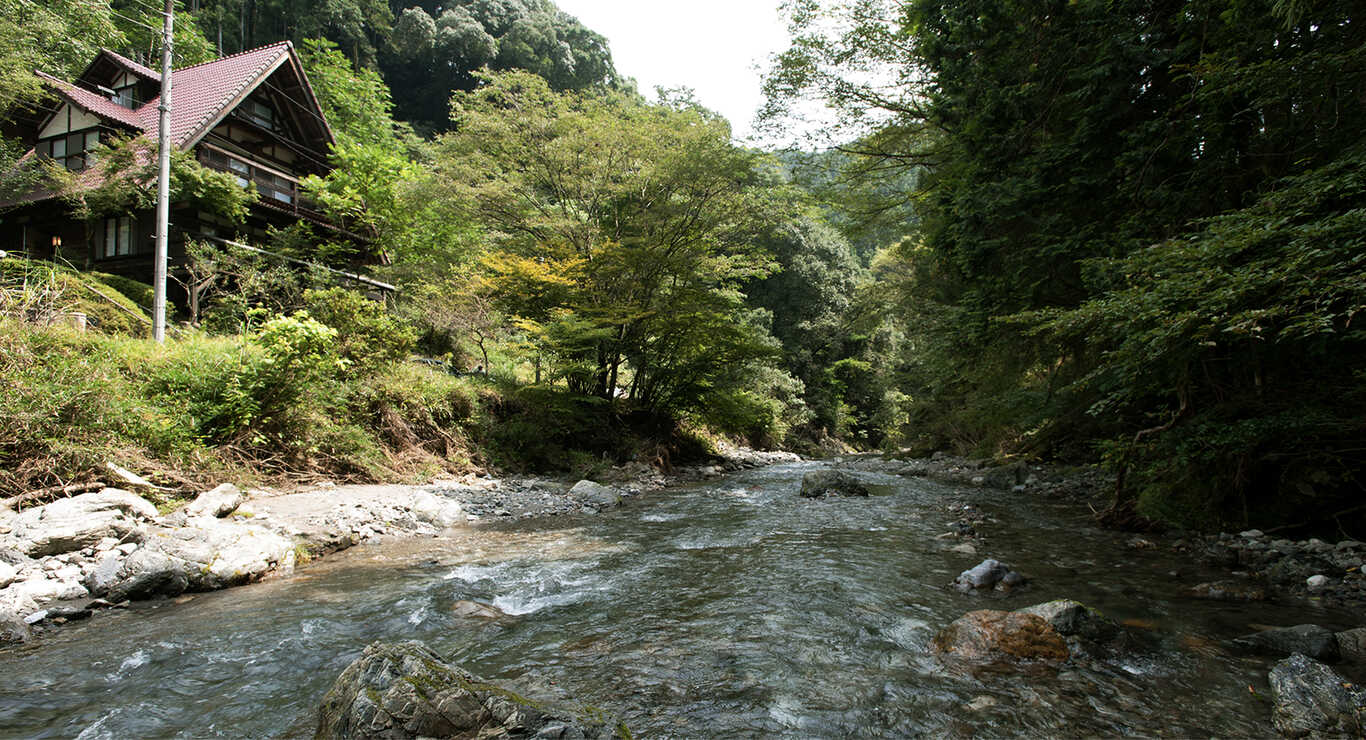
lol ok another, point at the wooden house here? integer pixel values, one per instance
(252, 114)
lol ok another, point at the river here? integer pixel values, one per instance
(730, 608)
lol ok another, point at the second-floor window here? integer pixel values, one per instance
(71, 150)
(270, 184)
(126, 96)
(258, 113)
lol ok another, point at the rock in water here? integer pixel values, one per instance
(595, 493)
(1352, 645)
(989, 636)
(822, 483)
(1311, 640)
(219, 502)
(1311, 699)
(1070, 617)
(404, 690)
(985, 575)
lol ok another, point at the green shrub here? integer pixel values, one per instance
(367, 336)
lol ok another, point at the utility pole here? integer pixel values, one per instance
(163, 180)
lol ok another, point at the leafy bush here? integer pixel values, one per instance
(367, 336)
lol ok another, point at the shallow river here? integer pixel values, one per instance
(727, 609)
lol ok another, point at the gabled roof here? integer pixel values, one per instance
(121, 61)
(201, 95)
(92, 102)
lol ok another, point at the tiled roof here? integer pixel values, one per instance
(200, 94)
(93, 102)
(140, 70)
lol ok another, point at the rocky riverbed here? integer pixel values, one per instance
(67, 559)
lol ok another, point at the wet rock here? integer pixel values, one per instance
(1309, 639)
(1070, 617)
(13, 628)
(142, 575)
(1226, 591)
(823, 483)
(405, 690)
(988, 636)
(217, 503)
(81, 521)
(1352, 645)
(986, 574)
(476, 610)
(595, 494)
(1316, 583)
(1312, 700)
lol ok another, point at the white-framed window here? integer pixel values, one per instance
(70, 149)
(126, 96)
(119, 238)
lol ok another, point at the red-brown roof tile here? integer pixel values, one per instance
(93, 102)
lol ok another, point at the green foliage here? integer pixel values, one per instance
(439, 50)
(614, 271)
(128, 170)
(1134, 217)
(45, 293)
(368, 338)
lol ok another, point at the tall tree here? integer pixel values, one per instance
(619, 232)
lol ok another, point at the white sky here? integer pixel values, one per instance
(719, 48)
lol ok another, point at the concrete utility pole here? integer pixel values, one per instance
(163, 180)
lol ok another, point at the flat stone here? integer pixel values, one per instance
(1309, 639)
(824, 483)
(1070, 617)
(988, 636)
(217, 503)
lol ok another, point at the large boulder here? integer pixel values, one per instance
(1071, 618)
(142, 575)
(1310, 640)
(206, 554)
(405, 690)
(218, 503)
(595, 494)
(436, 510)
(822, 483)
(81, 521)
(221, 552)
(1312, 700)
(989, 636)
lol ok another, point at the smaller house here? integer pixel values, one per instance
(252, 114)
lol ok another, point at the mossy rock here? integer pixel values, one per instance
(404, 690)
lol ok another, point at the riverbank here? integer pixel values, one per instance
(68, 559)
(1260, 566)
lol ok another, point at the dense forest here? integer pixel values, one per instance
(1128, 232)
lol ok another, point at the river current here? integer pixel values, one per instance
(726, 609)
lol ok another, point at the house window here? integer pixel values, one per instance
(270, 185)
(118, 237)
(71, 150)
(258, 113)
(126, 96)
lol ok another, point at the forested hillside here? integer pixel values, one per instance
(1138, 234)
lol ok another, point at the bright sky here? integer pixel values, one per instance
(719, 48)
